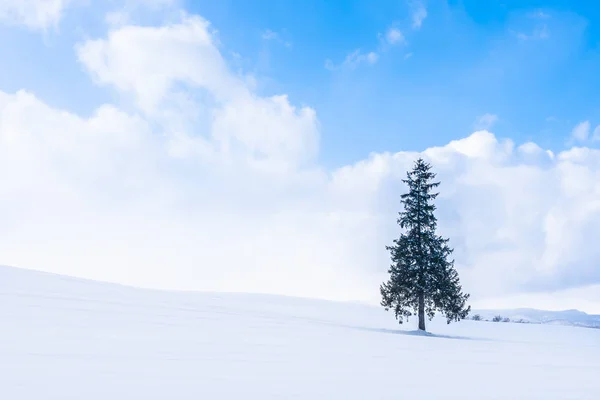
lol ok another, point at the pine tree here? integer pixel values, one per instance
(422, 278)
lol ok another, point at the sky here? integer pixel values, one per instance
(259, 146)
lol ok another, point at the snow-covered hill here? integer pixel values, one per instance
(63, 338)
(530, 315)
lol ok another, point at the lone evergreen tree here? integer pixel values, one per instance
(422, 278)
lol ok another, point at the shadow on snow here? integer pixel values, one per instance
(412, 333)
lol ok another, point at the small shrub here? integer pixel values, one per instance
(476, 317)
(506, 319)
(497, 318)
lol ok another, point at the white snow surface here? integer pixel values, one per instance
(64, 338)
(565, 317)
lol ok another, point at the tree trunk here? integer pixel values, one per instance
(422, 312)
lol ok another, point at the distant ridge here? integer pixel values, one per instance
(533, 316)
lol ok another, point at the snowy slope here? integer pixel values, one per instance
(63, 338)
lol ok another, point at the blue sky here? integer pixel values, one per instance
(140, 123)
(532, 64)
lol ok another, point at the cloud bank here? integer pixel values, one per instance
(196, 182)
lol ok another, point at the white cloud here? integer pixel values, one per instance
(394, 36)
(271, 35)
(139, 61)
(203, 184)
(34, 14)
(581, 132)
(540, 15)
(148, 73)
(586, 298)
(539, 33)
(530, 148)
(353, 60)
(532, 152)
(485, 121)
(596, 135)
(419, 14)
(372, 57)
